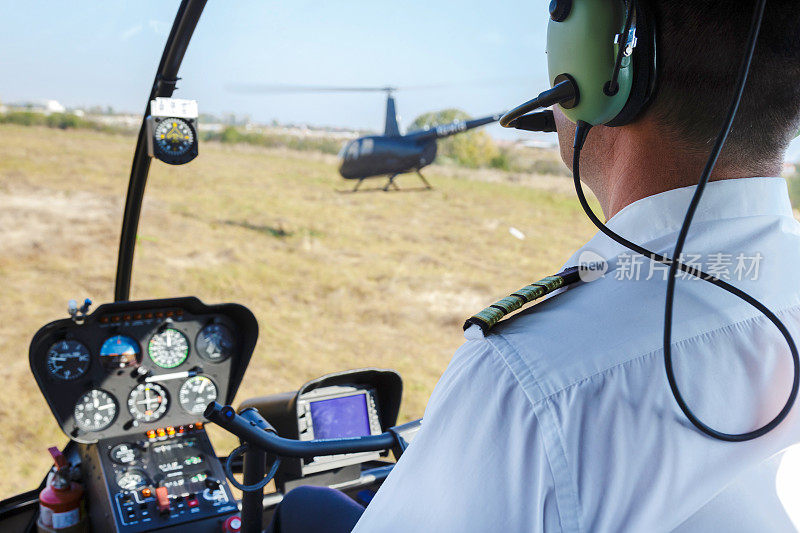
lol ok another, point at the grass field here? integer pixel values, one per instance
(336, 280)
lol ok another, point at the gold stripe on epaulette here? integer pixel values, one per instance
(493, 314)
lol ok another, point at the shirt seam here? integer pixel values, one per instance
(670, 230)
(645, 355)
(547, 427)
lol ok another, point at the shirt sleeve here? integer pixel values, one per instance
(477, 464)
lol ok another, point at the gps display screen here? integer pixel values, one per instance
(342, 417)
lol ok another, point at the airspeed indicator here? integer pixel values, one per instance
(168, 348)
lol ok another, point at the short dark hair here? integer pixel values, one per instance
(700, 46)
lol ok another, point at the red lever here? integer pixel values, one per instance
(163, 499)
(58, 457)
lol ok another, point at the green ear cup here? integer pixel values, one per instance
(582, 46)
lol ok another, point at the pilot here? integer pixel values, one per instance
(560, 418)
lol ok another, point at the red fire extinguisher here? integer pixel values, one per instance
(61, 501)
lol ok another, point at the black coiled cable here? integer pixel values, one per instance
(581, 132)
(255, 486)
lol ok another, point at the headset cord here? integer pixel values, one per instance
(581, 132)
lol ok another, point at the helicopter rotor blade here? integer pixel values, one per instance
(271, 88)
(279, 88)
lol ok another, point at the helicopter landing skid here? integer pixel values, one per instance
(427, 185)
(391, 185)
(391, 182)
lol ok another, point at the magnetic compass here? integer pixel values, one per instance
(173, 140)
(215, 343)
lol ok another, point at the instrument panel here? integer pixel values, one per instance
(158, 480)
(131, 367)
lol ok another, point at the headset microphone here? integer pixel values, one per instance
(564, 92)
(541, 121)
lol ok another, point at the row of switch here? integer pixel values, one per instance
(163, 503)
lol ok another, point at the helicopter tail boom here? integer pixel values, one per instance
(458, 126)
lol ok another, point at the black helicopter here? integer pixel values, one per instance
(392, 153)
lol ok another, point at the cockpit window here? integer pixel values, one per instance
(366, 146)
(350, 150)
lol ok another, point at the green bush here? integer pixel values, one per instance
(23, 118)
(234, 135)
(55, 120)
(501, 161)
(474, 148)
(230, 135)
(66, 121)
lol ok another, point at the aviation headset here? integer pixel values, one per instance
(601, 58)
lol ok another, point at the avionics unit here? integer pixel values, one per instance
(337, 412)
(346, 404)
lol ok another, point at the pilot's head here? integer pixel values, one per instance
(700, 46)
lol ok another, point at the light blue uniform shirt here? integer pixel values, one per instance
(561, 419)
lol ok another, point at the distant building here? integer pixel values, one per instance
(39, 106)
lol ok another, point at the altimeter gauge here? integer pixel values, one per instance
(67, 360)
(148, 402)
(95, 410)
(196, 393)
(168, 348)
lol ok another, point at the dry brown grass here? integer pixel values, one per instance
(336, 280)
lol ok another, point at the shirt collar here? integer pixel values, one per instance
(662, 214)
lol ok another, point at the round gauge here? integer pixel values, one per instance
(215, 343)
(196, 393)
(120, 351)
(168, 348)
(131, 479)
(124, 453)
(95, 410)
(147, 402)
(174, 141)
(67, 360)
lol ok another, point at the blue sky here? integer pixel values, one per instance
(106, 54)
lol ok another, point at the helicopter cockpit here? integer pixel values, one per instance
(133, 385)
(130, 385)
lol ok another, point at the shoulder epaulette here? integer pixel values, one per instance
(493, 314)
